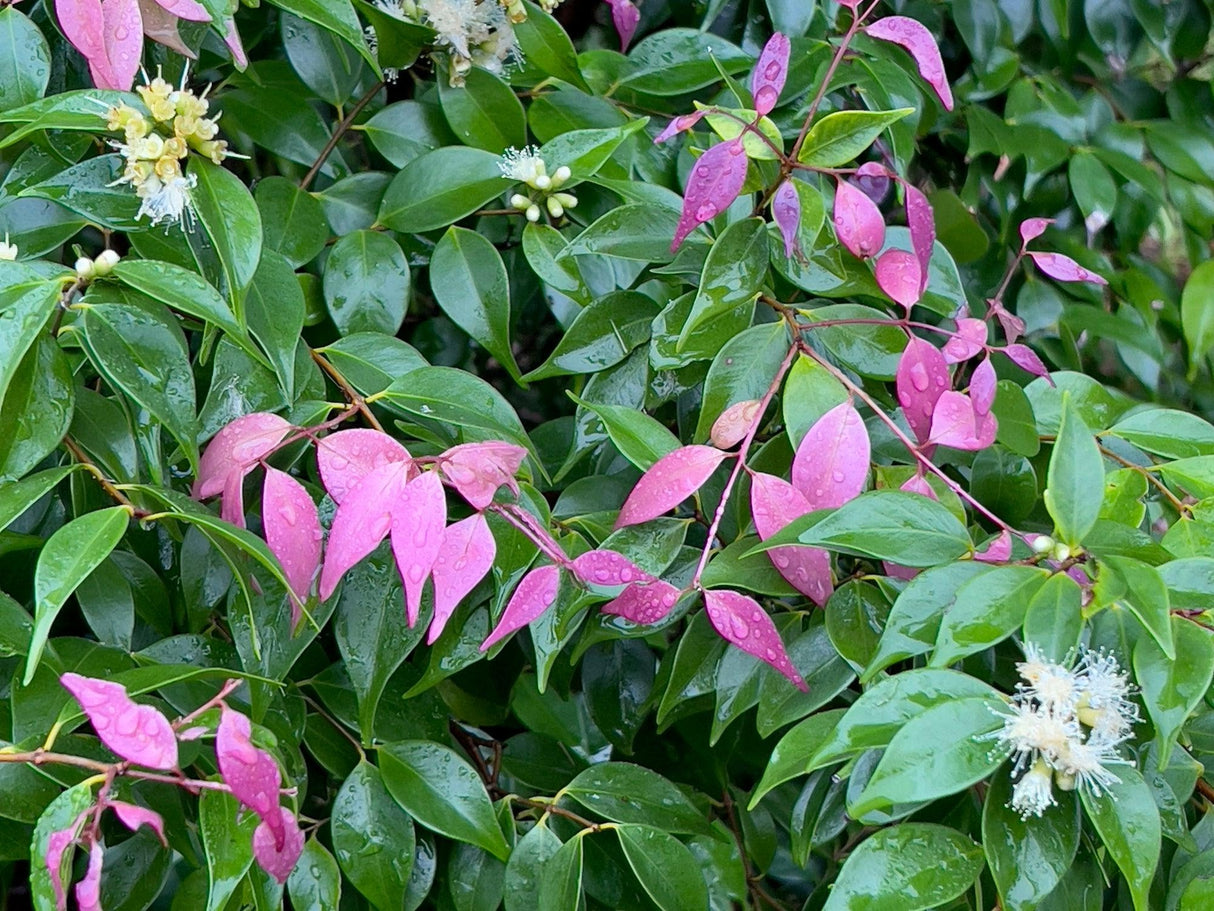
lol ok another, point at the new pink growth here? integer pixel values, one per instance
(626, 17)
(278, 856)
(968, 342)
(680, 124)
(957, 423)
(668, 482)
(917, 41)
(741, 621)
(138, 733)
(900, 276)
(767, 80)
(189, 10)
(477, 470)
(465, 556)
(786, 210)
(916, 483)
(774, 503)
(1026, 359)
(715, 182)
(997, 550)
(133, 816)
(252, 774)
(231, 455)
(419, 516)
(606, 567)
(982, 386)
(859, 224)
(363, 519)
(293, 533)
(1032, 228)
(922, 224)
(57, 845)
(921, 379)
(346, 457)
(1064, 269)
(534, 595)
(644, 603)
(831, 464)
(88, 890)
(734, 423)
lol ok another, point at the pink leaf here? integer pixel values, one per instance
(734, 423)
(922, 224)
(773, 504)
(83, 24)
(1026, 359)
(1064, 269)
(123, 34)
(293, 533)
(955, 423)
(859, 224)
(346, 457)
(534, 595)
(743, 622)
(276, 856)
(232, 507)
(997, 550)
(895, 571)
(680, 124)
(88, 890)
(918, 484)
(58, 844)
(232, 39)
(362, 520)
(715, 182)
(668, 482)
(418, 518)
(477, 470)
(645, 603)
(831, 464)
(968, 342)
(252, 774)
(900, 277)
(872, 179)
(237, 447)
(767, 80)
(133, 816)
(922, 376)
(982, 387)
(186, 9)
(606, 567)
(1013, 326)
(786, 210)
(465, 556)
(626, 17)
(1032, 228)
(917, 41)
(138, 733)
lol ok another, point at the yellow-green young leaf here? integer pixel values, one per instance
(1075, 478)
(1197, 314)
(1172, 687)
(59, 814)
(731, 123)
(527, 870)
(1126, 818)
(838, 138)
(1027, 857)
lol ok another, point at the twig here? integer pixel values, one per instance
(1178, 504)
(338, 133)
(106, 484)
(347, 390)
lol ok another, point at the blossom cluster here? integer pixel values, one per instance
(527, 166)
(1065, 726)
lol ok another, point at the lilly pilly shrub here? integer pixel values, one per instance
(467, 465)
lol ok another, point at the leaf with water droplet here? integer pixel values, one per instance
(138, 733)
(1032, 228)
(122, 32)
(237, 447)
(251, 773)
(293, 533)
(956, 423)
(534, 595)
(731, 427)
(363, 519)
(968, 342)
(477, 470)
(982, 386)
(832, 460)
(921, 378)
(133, 816)
(680, 124)
(670, 481)
(419, 515)
(774, 503)
(922, 224)
(465, 556)
(786, 210)
(917, 41)
(715, 182)
(767, 80)
(645, 602)
(899, 275)
(606, 567)
(346, 457)
(741, 621)
(1064, 269)
(858, 222)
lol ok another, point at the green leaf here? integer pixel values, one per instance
(25, 60)
(1196, 314)
(59, 814)
(677, 60)
(292, 221)
(546, 47)
(583, 152)
(1127, 820)
(1094, 190)
(336, 16)
(315, 883)
(399, 41)
(642, 440)
(442, 792)
(1054, 619)
(1075, 479)
(892, 525)
(909, 866)
(561, 886)
(1141, 588)
(37, 409)
(89, 190)
(24, 310)
(183, 290)
(366, 283)
(1027, 856)
(664, 866)
(406, 130)
(793, 753)
(871, 349)
(327, 65)
(638, 232)
(1195, 475)
(373, 838)
(741, 371)
(733, 273)
(468, 280)
(18, 496)
(987, 610)
(601, 335)
(1173, 686)
(230, 217)
(67, 558)
(484, 112)
(275, 310)
(441, 187)
(731, 123)
(1017, 425)
(627, 793)
(371, 361)
(227, 843)
(527, 870)
(78, 110)
(838, 138)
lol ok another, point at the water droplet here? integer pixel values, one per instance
(706, 211)
(772, 70)
(339, 463)
(919, 378)
(837, 477)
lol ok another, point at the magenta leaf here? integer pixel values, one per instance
(236, 448)
(123, 35)
(922, 224)
(534, 595)
(83, 24)
(957, 424)
(997, 550)
(668, 482)
(278, 856)
(57, 845)
(1032, 228)
(982, 387)
(138, 733)
(859, 224)
(133, 816)
(88, 890)
(363, 519)
(715, 182)
(1013, 326)
(644, 603)
(346, 457)
(293, 533)
(921, 378)
(465, 556)
(252, 774)
(786, 210)
(626, 17)
(917, 41)
(232, 39)
(773, 504)
(918, 484)
(831, 464)
(1026, 359)
(968, 342)
(734, 423)
(873, 180)
(477, 470)
(900, 276)
(741, 621)
(418, 517)
(680, 124)
(186, 9)
(1064, 269)
(606, 567)
(767, 80)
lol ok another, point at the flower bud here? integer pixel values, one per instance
(105, 262)
(561, 175)
(568, 200)
(8, 251)
(1061, 552)
(555, 209)
(520, 202)
(1042, 544)
(533, 213)
(541, 182)
(86, 269)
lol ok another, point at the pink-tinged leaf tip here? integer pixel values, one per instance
(278, 857)
(997, 550)
(680, 124)
(858, 222)
(786, 211)
(956, 423)
(251, 773)
(237, 448)
(741, 621)
(346, 457)
(773, 504)
(133, 816)
(982, 387)
(767, 80)
(534, 595)
(916, 483)
(477, 470)
(921, 378)
(1064, 269)
(363, 519)
(231, 38)
(916, 40)
(644, 603)
(731, 427)
(873, 180)
(900, 276)
(88, 890)
(138, 733)
(606, 567)
(293, 533)
(58, 844)
(419, 516)
(1032, 228)
(186, 9)
(922, 224)
(626, 17)
(465, 556)
(968, 342)
(715, 182)
(832, 460)
(1026, 359)
(668, 482)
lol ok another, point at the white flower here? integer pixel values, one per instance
(1034, 791)
(1050, 683)
(1085, 762)
(167, 201)
(8, 252)
(524, 165)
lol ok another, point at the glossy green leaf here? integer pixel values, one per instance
(25, 60)
(891, 525)
(986, 611)
(601, 335)
(1173, 686)
(227, 844)
(1028, 856)
(441, 187)
(59, 814)
(1197, 316)
(484, 112)
(336, 16)
(459, 399)
(838, 138)
(373, 838)
(37, 408)
(1127, 821)
(527, 874)
(733, 272)
(1075, 480)
(1053, 621)
(231, 219)
(626, 793)
(292, 221)
(561, 885)
(366, 283)
(664, 866)
(315, 883)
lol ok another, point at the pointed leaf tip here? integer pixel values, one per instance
(346, 457)
(626, 17)
(465, 556)
(138, 733)
(767, 80)
(477, 470)
(858, 222)
(786, 210)
(1032, 228)
(278, 856)
(419, 516)
(236, 448)
(668, 482)
(957, 423)
(916, 40)
(534, 595)
(363, 519)
(1064, 269)
(715, 182)
(900, 276)
(741, 621)
(133, 816)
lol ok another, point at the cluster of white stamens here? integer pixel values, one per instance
(526, 166)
